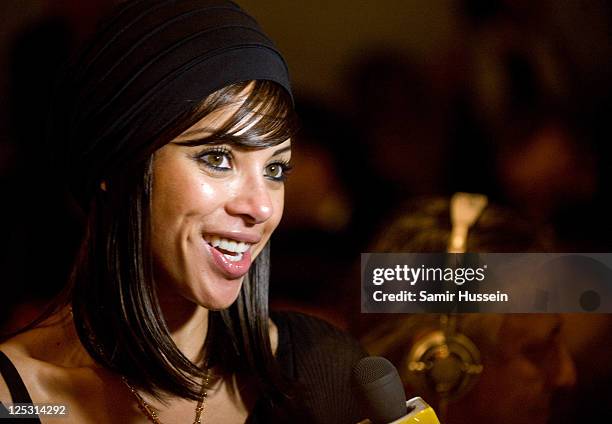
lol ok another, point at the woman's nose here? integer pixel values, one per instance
(251, 201)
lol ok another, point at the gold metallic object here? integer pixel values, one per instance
(151, 414)
(450, 365)
(465, 209)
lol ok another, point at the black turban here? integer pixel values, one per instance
(149, 64)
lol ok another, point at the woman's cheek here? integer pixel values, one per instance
(279, 206)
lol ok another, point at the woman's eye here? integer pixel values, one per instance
(277, 171)
(216, 160)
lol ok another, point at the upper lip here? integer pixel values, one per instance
(250, 238)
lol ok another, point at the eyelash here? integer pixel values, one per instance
(221, 151)
(285, 166)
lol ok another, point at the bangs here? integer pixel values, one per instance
(265, 116)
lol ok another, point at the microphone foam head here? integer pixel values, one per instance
(380, 390)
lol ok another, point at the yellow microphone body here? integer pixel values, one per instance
(420, 413)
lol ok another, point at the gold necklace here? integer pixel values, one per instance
(150, 413)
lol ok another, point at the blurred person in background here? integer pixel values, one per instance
(528, 374)
(315, 237)
(528, 106)
(401, 147)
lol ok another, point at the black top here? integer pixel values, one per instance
(313, 354)
(18, 391)
(319, 359)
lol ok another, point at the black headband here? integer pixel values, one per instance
(151, 63)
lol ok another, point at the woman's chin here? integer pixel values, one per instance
(221, 295)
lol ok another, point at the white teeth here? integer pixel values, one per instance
(229, 245)
(233, 258)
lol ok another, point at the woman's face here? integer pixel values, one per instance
(214, 208)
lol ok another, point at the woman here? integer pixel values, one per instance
(174, 131)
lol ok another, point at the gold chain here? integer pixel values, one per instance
(150, 413)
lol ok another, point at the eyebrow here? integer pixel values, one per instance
(281, 150)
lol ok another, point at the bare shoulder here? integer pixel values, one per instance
(40, 357)
(48, 380)
(85, 390)
(17, 359)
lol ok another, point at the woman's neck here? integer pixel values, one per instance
(187, 323)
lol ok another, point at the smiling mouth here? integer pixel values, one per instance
(233, 250)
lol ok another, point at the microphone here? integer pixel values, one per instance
(382, 398)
